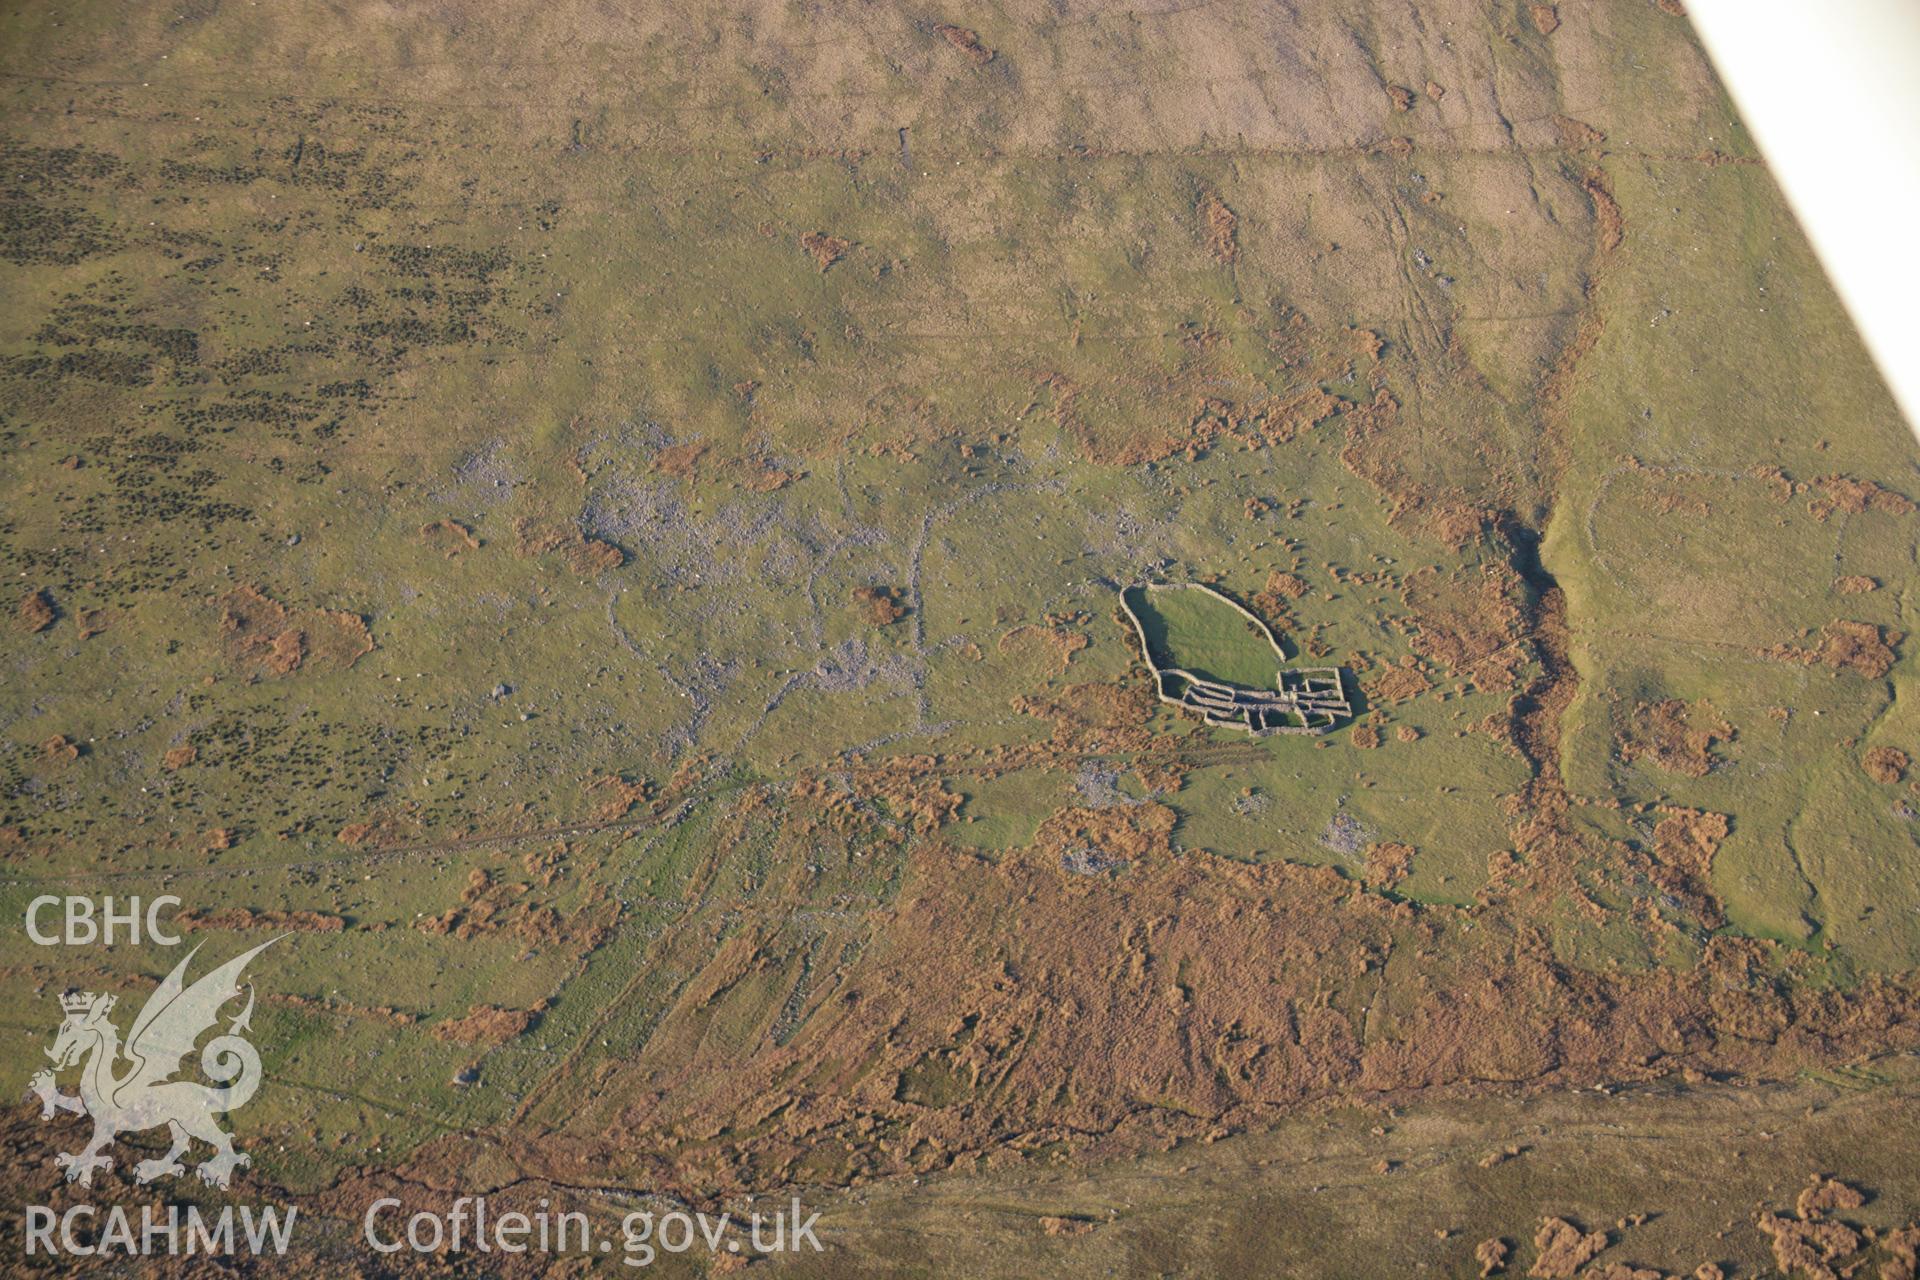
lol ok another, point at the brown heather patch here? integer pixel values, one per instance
(1290, 585)
(825, 250)
(35, 611)
(681, 460)
(1674, 735)
(262, 637)
(1563, 1247)
(487, 1024)
(449, 537)
(967, 42)
(1848, 496)
(585, 556)
(1399, 683)
(1858, 647)
(1388, 863)
(1221, 228)
(1886, 765)
(879, 606)
(236, 919)
(1469, 623)
(488, 907)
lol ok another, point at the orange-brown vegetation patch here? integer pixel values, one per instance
(489, 907)
(1780, 486)
(1365, 736)
(1886, 765)
(967, 42)
(1162, 779)
(1859, 647)
(449, 537)
(1225, 992)
(1401, 682)
(1856, 584)
(1188, 397)
(1388, 863)
(488, 1025)
(681, 460)
(1094, 715)
(1469, 623)
(1853, 497)
(178, 758)
(60, 748)
(1374, 452)
(1810, 1249)
(1126, 833)
(1903, 1254)
(286, 652)
(1401, 97)
(879, 606)
(1610, 225)
(1455, 523)
(36, 611)
(923, 802)
(585, 556)
(1271, 602)
(1061, 643)
(1676, 736)
(1290, 585)
(825, 250)
(1822, 1195)
(1563, 1249)
(762, 477)
(1491, 1254)
(390, 826)
(235, 919)
(614, 796)
(1271, 420)
(1684, 842)
(1675, 493)
(1221, 227)
(909, 787)
(262, 637)
(1577, 135)
(1546, 18)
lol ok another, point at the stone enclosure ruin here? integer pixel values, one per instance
(1308, 700)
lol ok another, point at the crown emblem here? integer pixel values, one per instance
(83, 1001)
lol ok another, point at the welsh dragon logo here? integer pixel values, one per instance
(126, 1088)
